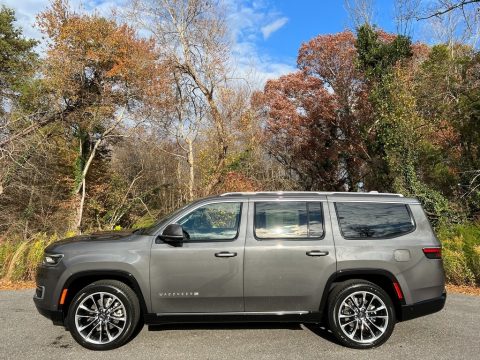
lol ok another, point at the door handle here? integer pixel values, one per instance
(317, 253)
(225, 254)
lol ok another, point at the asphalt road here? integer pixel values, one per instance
(453, 333)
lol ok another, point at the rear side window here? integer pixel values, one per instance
(288, 220)
(359, 220)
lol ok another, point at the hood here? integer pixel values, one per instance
(98, 236)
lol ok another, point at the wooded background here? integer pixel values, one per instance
(106, 129)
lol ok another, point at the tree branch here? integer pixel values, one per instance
(461, 4)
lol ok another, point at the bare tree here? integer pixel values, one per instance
(405, 14)
(192, 38)
(445, 7)
(182, 124)
(360, 11)
(453, 21)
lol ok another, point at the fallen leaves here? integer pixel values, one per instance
(463, 289)
(16, 285)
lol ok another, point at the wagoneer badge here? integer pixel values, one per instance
(170, 294)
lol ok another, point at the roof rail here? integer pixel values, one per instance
(309, 192)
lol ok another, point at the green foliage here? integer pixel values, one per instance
(144, 222)
(17, 58)
(461, 252)
(396, 115)
(376, 57)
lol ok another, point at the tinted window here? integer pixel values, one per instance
(370, 220)
(218, 221)
(289, 219)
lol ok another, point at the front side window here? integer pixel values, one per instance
(359, 220)
(219, 221)
(288, 220)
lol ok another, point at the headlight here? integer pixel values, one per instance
(52, 259)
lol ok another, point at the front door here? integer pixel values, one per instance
(205, 274)
(289, 255)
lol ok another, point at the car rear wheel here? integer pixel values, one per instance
(103, 315)
(361, 314)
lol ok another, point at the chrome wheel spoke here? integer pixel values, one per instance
(94, 302)
(378, 309)
(379, 328)
(364, 299)
(83, 307)
(348, 323)
(352, 334)
(87, 325)
(85, 316)
(113, 324)
(110, 337)
(91, 331)
(370, 329)
(116, 308)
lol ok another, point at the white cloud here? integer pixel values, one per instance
(249, 22)
(272, 27)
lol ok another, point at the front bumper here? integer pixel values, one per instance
(55, 315)
(47, 294)
(423, 308)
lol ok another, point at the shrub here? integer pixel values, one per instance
(461, 253)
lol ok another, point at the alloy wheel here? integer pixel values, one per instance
(100, 318)
(363, 317)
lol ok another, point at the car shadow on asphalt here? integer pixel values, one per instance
(222, 326)
(322, 331)
(317, 329)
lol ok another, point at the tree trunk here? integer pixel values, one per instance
(79, 217)
(191, 179)
(222, 145)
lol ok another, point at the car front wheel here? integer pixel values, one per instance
(103, 315)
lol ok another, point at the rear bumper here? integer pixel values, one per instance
(423, 308)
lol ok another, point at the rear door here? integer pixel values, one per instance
(205, 274)
(289, 254)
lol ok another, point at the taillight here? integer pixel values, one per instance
(433, 252)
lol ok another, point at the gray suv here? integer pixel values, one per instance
(358, 262)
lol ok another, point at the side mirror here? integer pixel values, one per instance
(173, 233)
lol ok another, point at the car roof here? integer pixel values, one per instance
(372, 196)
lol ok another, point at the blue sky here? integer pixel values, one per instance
(309, 18)
(266, 34)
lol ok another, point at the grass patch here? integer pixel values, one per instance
(19, 259)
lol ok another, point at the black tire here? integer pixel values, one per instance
(373, 326)
(125, 295)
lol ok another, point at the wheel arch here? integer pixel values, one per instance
(79, 280)
(382, 278)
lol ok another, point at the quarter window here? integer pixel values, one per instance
(373, 220)
(289, 219)
(217, 221)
